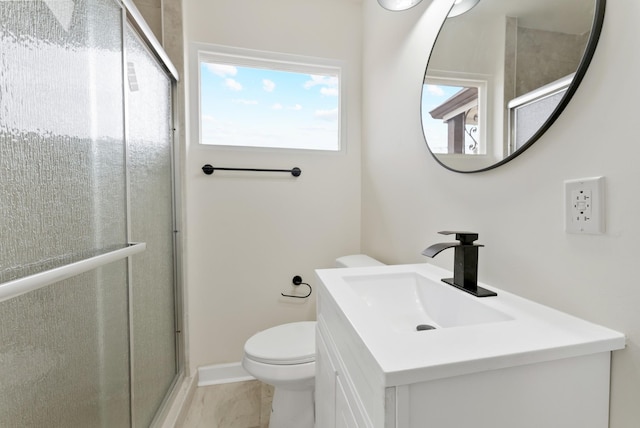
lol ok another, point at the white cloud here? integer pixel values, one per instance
(435, 90)
(222, 70)
(268, 85)
(321, 80)
(329, 84)
(245, 102)
(232, 84)
(329, 115)
(296, 107)
(277, 106)
(329, 92)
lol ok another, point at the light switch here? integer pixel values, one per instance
(584, 205)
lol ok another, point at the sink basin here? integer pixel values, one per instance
(406, 300)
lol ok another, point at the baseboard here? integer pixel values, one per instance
(222, 373)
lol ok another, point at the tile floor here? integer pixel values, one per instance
(231, 405)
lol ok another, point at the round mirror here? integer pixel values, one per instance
(500, 74)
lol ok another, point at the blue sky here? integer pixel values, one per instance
(435, 131)
(245, 106)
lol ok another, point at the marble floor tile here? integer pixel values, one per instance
(231, 405)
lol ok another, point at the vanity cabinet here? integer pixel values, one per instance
(335, 390)
(358, 386)
(343, 379)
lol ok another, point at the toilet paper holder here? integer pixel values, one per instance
(297, 280)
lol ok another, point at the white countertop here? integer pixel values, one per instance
(533, 333)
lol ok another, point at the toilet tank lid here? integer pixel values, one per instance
(357, 260)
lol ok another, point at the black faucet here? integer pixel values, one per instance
(465, 264)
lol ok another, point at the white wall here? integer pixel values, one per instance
(518, 208)
(248, 234)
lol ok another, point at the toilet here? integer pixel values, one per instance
(285, 357)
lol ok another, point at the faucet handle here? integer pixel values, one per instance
(465, 238)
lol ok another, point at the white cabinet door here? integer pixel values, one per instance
(344, 414)
(325, 386)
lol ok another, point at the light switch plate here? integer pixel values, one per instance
(584, 205)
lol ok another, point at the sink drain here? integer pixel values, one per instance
(421, 327)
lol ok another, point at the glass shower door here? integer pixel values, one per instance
(85, 168)
(64, 350)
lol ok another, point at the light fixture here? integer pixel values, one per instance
(461, 6)
(398, 4)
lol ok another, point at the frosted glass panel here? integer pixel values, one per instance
(64, 357)
(61, 150)
(60, 365)
(528, 118)
(149, 143)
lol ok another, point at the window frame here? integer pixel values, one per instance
(242, 57)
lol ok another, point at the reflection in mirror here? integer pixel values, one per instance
(451, 116)
(500, 74)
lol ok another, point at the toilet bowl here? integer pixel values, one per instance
(284, 356)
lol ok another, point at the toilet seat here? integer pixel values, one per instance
(286, 344)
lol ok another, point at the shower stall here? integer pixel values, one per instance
(89, 290)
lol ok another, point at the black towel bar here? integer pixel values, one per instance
(208, 169)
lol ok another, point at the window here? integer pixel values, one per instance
(261, 99)
(453, 116)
